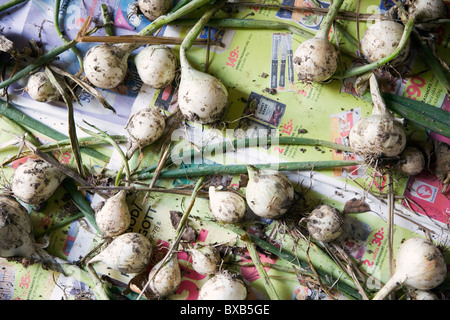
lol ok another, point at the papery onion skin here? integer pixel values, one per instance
(128, 253)
(144, 128)
(16, 232)
(226, 206)
(114, 217)
(269, 193)
(40, 88)
(165, 280)
(35, 181)
(153, 9)
(381, 39)
(202, 98)
(106, 65)
(377, 136)
(426, 11)
(205, 260)
(223, 286)
(325, 223)
(315, 60)
(156, 66)
(419, 265)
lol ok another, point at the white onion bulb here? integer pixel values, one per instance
(41, 89)
(35, 181)
(205, 259)
(269, 193)
(152, 9)
(106, 65)
(165, 280)
(223, 286)
(114, 217)
(381, 39)
(156, 66)
(16, 232)
(325, 223)
(128, 253)
(380, 134)
(143, 128)
(419, 265)
(226, 206)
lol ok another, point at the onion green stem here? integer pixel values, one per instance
(251, 142)
(239, 169)
(56, 9)
(10, 4)
(273, 295)
(106, 20)
(326, 24)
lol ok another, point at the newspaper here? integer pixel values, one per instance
(265, 98)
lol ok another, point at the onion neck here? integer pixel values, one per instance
(393, 283)
(195, 31)
(379, 106)
(326, 24)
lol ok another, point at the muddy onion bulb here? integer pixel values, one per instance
(35, 181)
(16, 231)
(419, 264)
(205, 259)
(152, 9)
(422, 295)
(269, 193)
(127, 253)
(143, 128)
(380, 134)
(325, 223)
(316, 59)
(223, 286)
(114, 217)
(106, 65)
(202, 98)
(412, 161)
(381, 39)
(165, 280)
(156, 65)
(41, 89)
(226, 206)
(426, 11)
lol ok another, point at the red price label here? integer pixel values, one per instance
(233, 57)
(413, 91)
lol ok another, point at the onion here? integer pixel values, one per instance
(156, 66)
(143, 128)
(152, 9)
(223, 286)
(16, 232)
(269, 193)
(325, 223)
(226, 206)
(41, 89)
(381, 39)
(35, 181)
(114, 217)
(422, 295)
(426, 11)
(419, 265)
(412, 161)
(202, 98)
(106, 64)
(380, 134)
(205, 259)
(165, 277)
(127, 253)
(316, 59)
